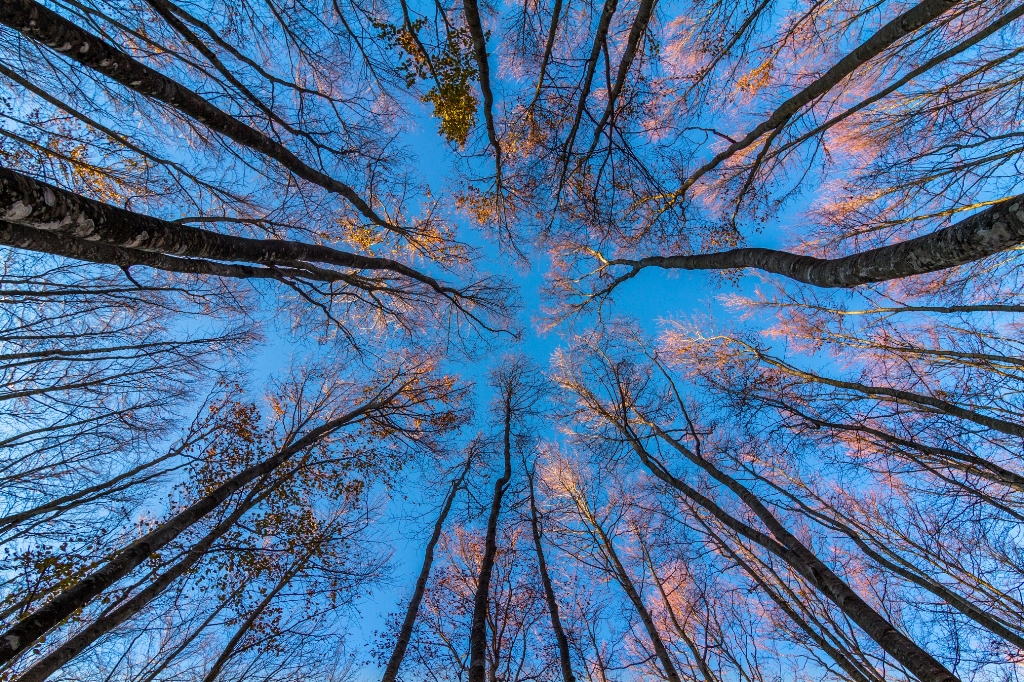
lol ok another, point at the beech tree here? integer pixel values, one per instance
(263, 277)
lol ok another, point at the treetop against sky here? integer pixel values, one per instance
(348, 340)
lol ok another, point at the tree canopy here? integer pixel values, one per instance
(351, 340)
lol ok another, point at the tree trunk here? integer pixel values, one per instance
(68, 224)
(45, 26)
(79, 642)
(481, 601)
(25, 632)
(405, 633)
(787, 547)
(997, 228)
(549, 592)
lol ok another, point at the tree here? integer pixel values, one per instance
(261, 466)
(814, 475)
(627, 402)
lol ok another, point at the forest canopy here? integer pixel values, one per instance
(355, 341)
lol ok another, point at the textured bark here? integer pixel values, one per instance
(564, 662)
(909, 76)
(405, 633)
(25, 632)
(44, 26)
(53, 661)
(143, 240)
(997, 228)
(30, 239)
(901, 26)
(481, 600)
(795, 553)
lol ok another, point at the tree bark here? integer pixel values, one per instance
(45, 26)
(405, 633)
(898, 565)
(68, 224)
(847, 663)
(481, 600)
(997, 228)
(595, 53)
(556, 12)
(897, 395)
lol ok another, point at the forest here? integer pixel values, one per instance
(527, 341)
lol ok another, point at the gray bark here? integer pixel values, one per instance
(476, 30)
(911, 574)
(997, 228)
(595, 52)
(67, 224)
(847, 663)
(44, 26)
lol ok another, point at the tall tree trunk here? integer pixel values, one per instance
(848, 663)
(481, 601)
(405, 633)
(636, 33)
(25, 632)
(986, 233)
(565, 663)
(55, 214)
(79, 642)
(600, 37)
(42, 25)
(622, 577)
(799, 557)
